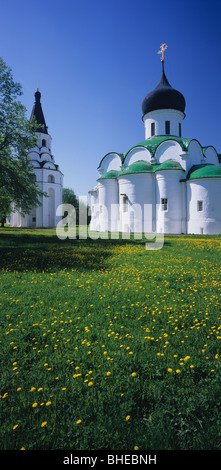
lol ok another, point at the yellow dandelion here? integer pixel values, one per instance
(178, 371)
(78, 421)
(108, 373)
(34, 405)
(48, 403)
(14, 427)
(43, 424)
(127, 417)
(136, 448)
(170, 370)
(90, 384)
(133, 374)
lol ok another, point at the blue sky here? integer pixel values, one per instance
(95, 61)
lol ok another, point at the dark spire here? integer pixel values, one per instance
(38, 114)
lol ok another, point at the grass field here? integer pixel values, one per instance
(106, 345)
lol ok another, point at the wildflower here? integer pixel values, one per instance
(108, 373)
(14, 427)
(32, 389)
(186, 358)
(170, 370)
(18, 389)
(90, 384)
(133, 374)
(178, 371)
(136, 448)
(127, 417)
(34, 405)
(78, 421)
(43, 424)
(48, 403)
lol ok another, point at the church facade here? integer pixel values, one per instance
(49, 178)
(166, 183)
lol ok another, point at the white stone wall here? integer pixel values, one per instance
(159, 117)
(140, 191)
(207, 220)
(168, 187)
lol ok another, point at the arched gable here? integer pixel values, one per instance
(136, 154)
(111, 161)
(211, 155)
(169, 150)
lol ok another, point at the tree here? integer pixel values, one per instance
(18, 189)
(69, 197)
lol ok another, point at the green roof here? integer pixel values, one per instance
(204, 171)
(109, 175)
(142, 166)
(168, 165)
(152, 143)
(137, 167)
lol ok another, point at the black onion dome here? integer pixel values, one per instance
(38, 114)
(163, 97)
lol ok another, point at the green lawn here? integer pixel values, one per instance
(107, 345)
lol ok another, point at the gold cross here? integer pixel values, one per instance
(163, 47)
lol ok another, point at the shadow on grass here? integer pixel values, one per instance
(42, 252)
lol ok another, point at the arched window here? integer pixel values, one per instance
(50, 179)
(43, 143)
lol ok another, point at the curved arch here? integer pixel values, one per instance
(111, 161)
(137, 153)
(169, 150)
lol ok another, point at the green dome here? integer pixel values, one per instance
(169, 165)
(204, 171)
(137, 167)
(109, 175)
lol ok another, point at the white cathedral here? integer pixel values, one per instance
(166, 183)
(49, 178)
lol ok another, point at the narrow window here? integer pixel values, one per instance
(199, 206)
(164, 204)
(50, 179)
(43, 143)
(179, 129)
(152, 128)
(125, 203)
(167, 127)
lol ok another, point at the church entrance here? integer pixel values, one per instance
(51, 207)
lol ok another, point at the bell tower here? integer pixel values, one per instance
(48, 176)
